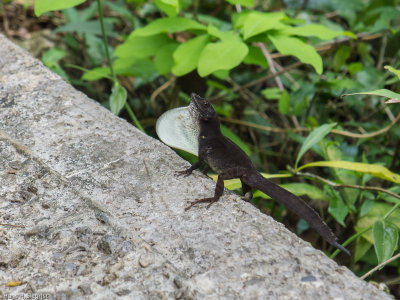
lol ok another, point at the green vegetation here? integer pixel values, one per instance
(277, 73)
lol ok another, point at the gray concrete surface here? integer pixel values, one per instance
(104, 214)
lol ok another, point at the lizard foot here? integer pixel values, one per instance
(184, 173)
(193, 203)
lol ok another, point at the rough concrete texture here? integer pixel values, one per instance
(104, 213)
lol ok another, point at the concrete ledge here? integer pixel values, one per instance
(104, 214)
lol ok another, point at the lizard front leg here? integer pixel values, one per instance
(189, 171)
(219, 187)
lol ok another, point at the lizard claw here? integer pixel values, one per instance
(184, 173)
(193, 203)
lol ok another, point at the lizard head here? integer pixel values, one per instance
(201, 107)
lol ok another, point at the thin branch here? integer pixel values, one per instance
(365, 36)
(158, 91)
(271, 63)
(334, 131)
(260, 80)
(380, 265)
(351, 186)
(382, 52)
(287, 75)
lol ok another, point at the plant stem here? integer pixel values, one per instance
(133, 117)
(103, 33)
(114, 76)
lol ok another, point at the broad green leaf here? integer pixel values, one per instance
(376, 213)
(272, 93)
(234, 138)
(142, 46)
(89, 27)
(296, 47)
(221, 74)
(242, 2)
(255, 57)
(374, 170)
(284, 103)
(222, 35)
(317, 30)
(168, 25)
(366, 207)
(224, 55)
(341, 55)
(186, 56)
(354, 67)
(51, 57)
(362, 246)
(96, 74)
(95, 49)
(385, 236)
(314, 137)
(117, 98)
(305, 189)
(393, 70)
(337, 208)
(299, 189)
(170, 7)
(42, 6)
(381, 92)
(257, 22)
(163, 60)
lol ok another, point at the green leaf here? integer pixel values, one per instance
(337, 208)
(374, 170)
(299, 189)
(393, 70)
(90, 27)
(51, 57)
(305, 189)
(224, 55)
(385, 240)
(142, 46)
(234, 184)
(284, 103)
(381, 92)
(163, 60)
(234, 138)
(117, 98)
(168, 25)
(296, 47)
(354, 67)
(255, 57)
(170, 7)
(96, 74)
(378, 211)
(272, 93)
(320, 31)
(341, 55)
(246, 3)
(42, 6)
(186, 56)
(256, 23)
(314, 137)
(362, 247)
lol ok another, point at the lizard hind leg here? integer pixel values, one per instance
(193, 203)
(219, 190)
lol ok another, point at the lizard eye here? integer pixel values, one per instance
(206, 104)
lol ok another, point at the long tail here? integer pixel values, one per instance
(295, 204)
